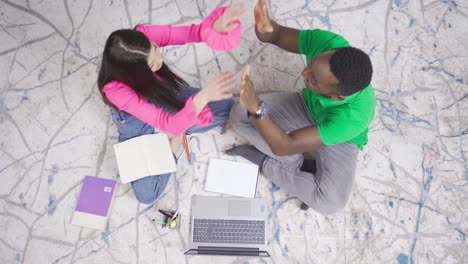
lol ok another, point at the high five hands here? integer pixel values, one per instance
(248, 97)
(262, 20)
(263, 25)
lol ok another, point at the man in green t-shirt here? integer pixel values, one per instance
(328, 120)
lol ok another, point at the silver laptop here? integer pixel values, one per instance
(228, 226)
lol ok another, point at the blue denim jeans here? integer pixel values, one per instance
(148, 189)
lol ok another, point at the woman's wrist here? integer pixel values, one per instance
(200, 101)
(219, 41)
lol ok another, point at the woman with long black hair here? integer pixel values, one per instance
(144, 94)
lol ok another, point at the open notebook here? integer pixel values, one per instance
(144, 156)
(94, 203)
(231, 177)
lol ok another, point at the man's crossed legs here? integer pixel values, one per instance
(328, 188)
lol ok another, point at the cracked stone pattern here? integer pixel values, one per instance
(408, 200)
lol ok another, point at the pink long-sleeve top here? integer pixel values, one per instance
(126, 99)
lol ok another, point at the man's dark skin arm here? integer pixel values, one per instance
(271, 32)
(281, 36)
(281, 143)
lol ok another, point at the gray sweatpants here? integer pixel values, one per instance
(326, 191)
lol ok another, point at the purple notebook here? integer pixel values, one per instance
(96, 196)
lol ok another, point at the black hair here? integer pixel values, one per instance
(353, 69)
(125, 59)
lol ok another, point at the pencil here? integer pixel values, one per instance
(187, 150)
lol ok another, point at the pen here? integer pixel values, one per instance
(175, 215)
(166, 213)
(187, 150)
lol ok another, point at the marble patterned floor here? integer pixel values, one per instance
(409, 198)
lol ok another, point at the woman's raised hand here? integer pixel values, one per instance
(225, 22)
(220, 87)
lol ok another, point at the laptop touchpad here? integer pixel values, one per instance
(239, 208)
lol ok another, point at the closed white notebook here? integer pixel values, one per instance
(231, 177)
(144, 156)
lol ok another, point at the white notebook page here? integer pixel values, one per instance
(144, 156)
(231, 177)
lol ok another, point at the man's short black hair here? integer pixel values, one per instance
(353, 69)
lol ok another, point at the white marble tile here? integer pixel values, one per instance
(408, 201)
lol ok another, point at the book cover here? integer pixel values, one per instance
(94, 202)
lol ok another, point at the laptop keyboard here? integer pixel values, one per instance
(228, 231)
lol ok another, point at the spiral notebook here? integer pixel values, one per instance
(94, 203)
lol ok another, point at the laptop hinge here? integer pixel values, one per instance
(238, 251)
(227, 251)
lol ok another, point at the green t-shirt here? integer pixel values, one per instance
(337, 121)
